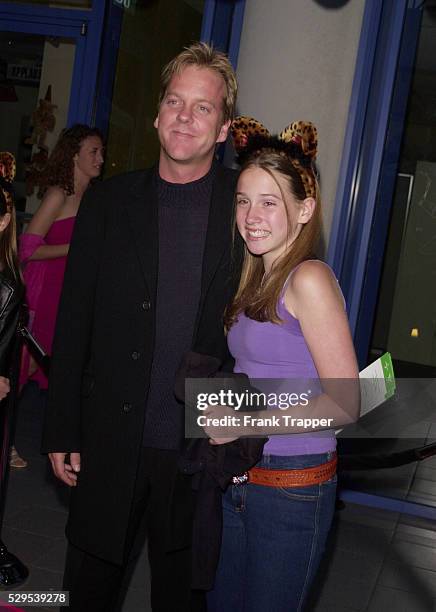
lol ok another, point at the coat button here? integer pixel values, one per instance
(146, 305)
(127, 407)
(136, 355)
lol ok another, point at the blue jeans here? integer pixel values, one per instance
(273, 541)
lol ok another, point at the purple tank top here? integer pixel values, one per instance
(265, 350)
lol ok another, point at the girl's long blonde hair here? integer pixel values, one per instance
(257, 296)
(9, 264)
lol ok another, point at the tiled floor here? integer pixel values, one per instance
(376, 560)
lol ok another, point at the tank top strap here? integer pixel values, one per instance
(282, 311)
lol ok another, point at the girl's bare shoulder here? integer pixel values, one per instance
(312, 282)
(312, 274)
(54, 195)
(49, 210)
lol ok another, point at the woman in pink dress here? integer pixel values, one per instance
(77, 159)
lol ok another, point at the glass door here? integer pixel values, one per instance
(35, 86)
(151, 33)
(140, 37)
(48, 67)
(405, 321)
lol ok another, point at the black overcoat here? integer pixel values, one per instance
(104, 341)
(11, 296)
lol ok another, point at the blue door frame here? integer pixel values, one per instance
(372, 143)
(222, 26)
(84, 26)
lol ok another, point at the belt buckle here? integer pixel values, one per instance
(239, 480)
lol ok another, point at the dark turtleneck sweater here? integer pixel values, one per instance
(183, 215)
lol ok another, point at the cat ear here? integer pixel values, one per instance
(304, 134)
(242, 128)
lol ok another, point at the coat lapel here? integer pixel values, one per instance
(142, 213)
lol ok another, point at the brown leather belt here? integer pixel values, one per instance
(293, 478)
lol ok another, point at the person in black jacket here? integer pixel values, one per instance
(148, 277)
(11, 284)
(12, 570)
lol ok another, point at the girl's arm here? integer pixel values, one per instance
(313, 296)
(43, 219)
(315, 299)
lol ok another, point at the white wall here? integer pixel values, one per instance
(296, 61)
(57, 71)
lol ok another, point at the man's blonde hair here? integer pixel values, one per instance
(203, 55)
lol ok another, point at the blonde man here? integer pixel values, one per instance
(147, 280)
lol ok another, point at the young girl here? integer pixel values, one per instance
(11, 286)
(77, 158)
(286, 321)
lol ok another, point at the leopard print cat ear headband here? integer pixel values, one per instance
(7, 175)
(298, 141)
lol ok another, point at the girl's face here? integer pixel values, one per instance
(267, 223)
(89, 160)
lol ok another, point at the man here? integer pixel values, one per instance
(148, 277)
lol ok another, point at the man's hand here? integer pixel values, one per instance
(67, 472)
(4, 387)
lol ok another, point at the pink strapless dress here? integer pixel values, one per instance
(45, 301)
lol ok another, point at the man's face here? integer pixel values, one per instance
(190, 119)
